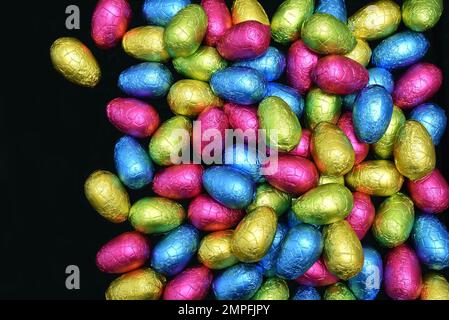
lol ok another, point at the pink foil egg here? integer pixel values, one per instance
(219, 20)
(206, 214)
(362, 215)
(417, 85)
(214, 123)
(109, 22)
(340, 75)
(361, 149)
(317, 276)
(303, 148)
(178, 182)
(246, 40)
(430, 194)
(124, 253)
(133, 117)
(191, 284)
(243, 118)
(294, 175)
(402, 276)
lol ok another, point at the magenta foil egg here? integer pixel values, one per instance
(214, 123)
(178, 182)
(246, 40)
(303, 148)
(417, 85)
(430, 194)
(300, 63)
(361, 149)
(362, 215)
(317, 276)
(294, 175)
(191, 284)
(124, 253)
(402, 275)
(109, 22)
(243, 118)
(218, 18)
(340, 75)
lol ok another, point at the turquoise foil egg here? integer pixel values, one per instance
(244, 158)
(160, 12)
(288, 94)
(271, 64)
(239, 282)
(433, 118)
(336, 8)
(268, 262)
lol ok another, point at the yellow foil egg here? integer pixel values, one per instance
(142, 284)
(273, 289)
(108, 196)
(215, 250)
(383, 149)
(146, 43)
(72, 59)
(435, 287)
(361, 53)
(376, 177)
(268, 196)
(414, 152)
(338, 291)
(343, 253)
(245, 10)
(254, 235)
(331, 179)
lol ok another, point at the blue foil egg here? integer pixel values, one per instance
(366, 284)
(306, 293)
(381, 77)
(175, 250)
(271, 64)
(336, 8)
(400, 50)
(245, 159)
(160, 12)
(433, 118)
(348, 101)
(133, 163)
(288, 94)
(239, 85)
(372, 113)
(229, 186)
(292, 219)
(146, 80)
(268, 262)
(431, 240)
(239, 282)
(300, 250)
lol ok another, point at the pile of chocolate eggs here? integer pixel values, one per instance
(353, 149)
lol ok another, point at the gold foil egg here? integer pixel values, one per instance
(338, 291)
(146, 43)
(245, 10)
(321, 106)
(215, 250)
(435, 287)
(361, 53)
(273, 289)
(268, 196)
(383, 149)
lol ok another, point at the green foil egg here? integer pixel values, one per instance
(383, 149)
(361, 53)
(331, 179)
(185, 32)
(338, 291)
(421, 15)
(325, 34)
(273, 289)
(146, 43)
(324, 204)
(268, 196)
(215, 250)
(394, 220)
(321, 106)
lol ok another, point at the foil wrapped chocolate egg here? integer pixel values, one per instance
(213, 124)
(229, 186)
(360, 148)
(337, 8)
(288, 94)
(107, 196)
(321, 106)
(303, 148)
(300, 249)
(338, 291)
(331, 179)
(400, 50)
(146, 80)
(300, 63)
(254, 235)
(417, 85)
(185, 31)
(219, 20)
(142, 284)
(288, 18)
(161, 12)
(343, 252)
(431, 242)
(366, 285)
(172, 137)
(146, 43)
(414, 152)
(245, 158)
(268, 196)
(156, 215)
(435, 287)
(376, 20)
(325, 34)
(133, 164)
(362, 215)
(215, 250)
(273, 289)
(282, 127)
(200, 65)
(331, 150)
(324, 204)
(183, 181)
(383, 149)
(173, 252)
(361, 53)
(191, 284)
(372, 112)
(206, 214)
(402, 274)
(433, 118)
(239, 85)
(124, 253)
(421, 15)
(248, 10)
(75, 62)
(239, 282)
(243, 118)
(246, 40)
(381, 77)
(268, 262)
(317, 276)
(109, 22)
(430, 194)
(271, 64)
(306, 293)
(375, 177)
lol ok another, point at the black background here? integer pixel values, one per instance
(54, 134)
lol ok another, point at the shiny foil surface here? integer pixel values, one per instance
(248, 10)
(366, 285)
(421, 15)
(215, 250)
(337, 8)
(244, 158)
(435, 287)
(338, 291)
(146, 43)
(306, 293)
(161, 12)
(268, 262)
(191, 284)
(317, 276)
(360, 148)
(321, 107)
(383, 149)
(361, 53)
(288, 94)
(381, 77)
(331, 179)
(183, 181)
(268, 196)
(271, 64)
(243, 118)
(362, 214)
(219, 20)
(303, 148)
(273, 289)
(300, 63)
(433, 118)
(214, 124)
